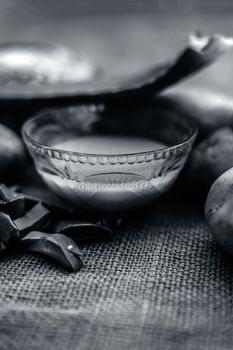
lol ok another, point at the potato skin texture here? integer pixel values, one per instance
(210, 110)
(211, 158)
(12, 155)
(219, 210)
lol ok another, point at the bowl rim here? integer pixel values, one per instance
(49, 150)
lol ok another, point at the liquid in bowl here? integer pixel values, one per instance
(108, 164)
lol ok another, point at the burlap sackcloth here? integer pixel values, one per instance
(162, 283)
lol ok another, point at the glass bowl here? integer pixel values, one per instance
(109, 181)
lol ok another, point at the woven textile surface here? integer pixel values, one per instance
(162, 283)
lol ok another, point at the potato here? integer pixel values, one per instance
(211, 158)
(209, 109)
(12, 155)
(219, 210)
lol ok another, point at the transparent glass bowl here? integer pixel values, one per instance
(109, 182)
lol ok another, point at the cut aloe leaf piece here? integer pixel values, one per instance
(33, 220)
(81, 231)
(56, 246)
(8, 229)
(10, 203)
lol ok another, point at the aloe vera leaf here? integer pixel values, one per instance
(33, 220)
(56, 246)
(5, 193)
(81, 231)
(8, 229)
(53, 204)
(10, 203)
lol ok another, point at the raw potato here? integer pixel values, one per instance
(219, 210)
(209, 109)
(211, 158)
(12, 155)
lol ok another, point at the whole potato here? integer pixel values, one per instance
(219, 210)
(211, 157)
(12, 155)
(210, 110)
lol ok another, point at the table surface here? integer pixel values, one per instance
(162, 283)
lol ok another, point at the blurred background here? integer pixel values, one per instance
(28, 9)
(132, 34)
